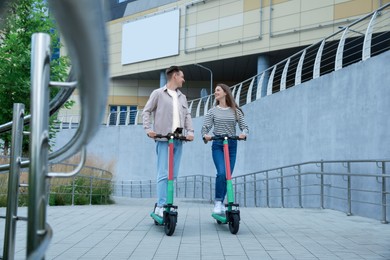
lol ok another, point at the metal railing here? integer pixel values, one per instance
(78, 190)
(358, 41)
(341, 185)
(194, 186)
(120, 118)
(67, 122)
(124, 118)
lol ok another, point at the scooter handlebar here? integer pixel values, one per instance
(170, 135)
(223, 137)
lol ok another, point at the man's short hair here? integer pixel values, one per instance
(171, 70)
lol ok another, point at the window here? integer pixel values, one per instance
(122, 115)
(113, 110)
(133, 113)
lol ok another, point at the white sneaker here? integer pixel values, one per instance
(217, 207)
(223, 209)
(159, 211)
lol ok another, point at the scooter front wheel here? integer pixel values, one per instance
(234, 224)
(170, 225)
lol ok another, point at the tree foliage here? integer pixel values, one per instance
(24, 18)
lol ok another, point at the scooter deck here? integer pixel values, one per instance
(157, 218)
(221, 218)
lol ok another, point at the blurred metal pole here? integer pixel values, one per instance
(39, 146)
(13, 182)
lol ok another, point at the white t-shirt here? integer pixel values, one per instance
(175, 107)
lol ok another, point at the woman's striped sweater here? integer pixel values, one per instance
(224, 121)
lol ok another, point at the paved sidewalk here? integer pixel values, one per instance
(126, 231)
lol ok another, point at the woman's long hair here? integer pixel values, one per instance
(230, 102)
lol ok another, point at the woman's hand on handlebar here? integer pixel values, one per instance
(206, 138)
(190, 138)
(242, 136)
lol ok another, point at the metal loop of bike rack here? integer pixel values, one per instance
(75, 171)
(70, 85)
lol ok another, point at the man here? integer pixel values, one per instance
(169, 107)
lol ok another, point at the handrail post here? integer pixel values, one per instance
(255, 189)
(150, 188)
(244, 190)
(322, 185)
(267, 186)
(202, 186)
(349, 212)
(281, 187)
(194, 186)
(384, 221)
(90, 190)
(73, 189)
(39, 145)
(13, 182)
(300, 186)
(211, 189)
(185, 187)
(176, 189)
(140, 188)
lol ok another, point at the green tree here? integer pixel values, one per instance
(24, 18)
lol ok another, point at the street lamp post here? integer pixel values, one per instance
(211, 76)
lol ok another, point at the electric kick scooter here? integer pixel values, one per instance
(169, 218)
(232, 214)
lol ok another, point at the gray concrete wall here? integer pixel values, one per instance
(341, 115)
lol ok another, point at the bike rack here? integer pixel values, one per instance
(82, 24)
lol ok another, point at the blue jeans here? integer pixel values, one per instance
(162, 168)
(219, 162)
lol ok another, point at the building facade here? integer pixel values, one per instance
(213, 41)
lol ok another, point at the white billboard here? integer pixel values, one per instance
(151, 38)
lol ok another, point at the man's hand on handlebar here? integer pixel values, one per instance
(151, 134)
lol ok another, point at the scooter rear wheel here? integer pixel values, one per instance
(234, 224)
(170, 225)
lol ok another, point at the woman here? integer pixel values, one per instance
(224, 118)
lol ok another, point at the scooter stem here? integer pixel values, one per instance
(229, 184)
(227, 159)
(170, 171)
